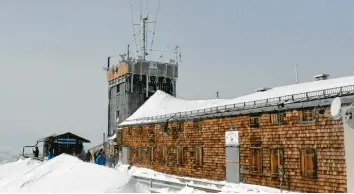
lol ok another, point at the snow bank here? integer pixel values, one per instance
(63, 173)
(211, 184)
(162, 103)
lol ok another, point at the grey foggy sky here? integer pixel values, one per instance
(52, 54)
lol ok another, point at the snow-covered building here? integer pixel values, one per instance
(279, 137)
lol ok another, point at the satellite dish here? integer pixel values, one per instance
(336, 107)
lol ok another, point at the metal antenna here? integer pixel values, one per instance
(296, 74)
(143, 37)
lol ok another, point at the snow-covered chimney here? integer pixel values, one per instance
(321, 77)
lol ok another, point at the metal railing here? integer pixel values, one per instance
(293, 98)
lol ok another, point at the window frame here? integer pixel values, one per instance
(276, 118)
(151, 154)
(303, 112)
(253, 118)
(254, 162)
(303, 162)
(280, 160)
(197, 124)
(198, 156)
(118, 89)
(180, 156)
(164, 155)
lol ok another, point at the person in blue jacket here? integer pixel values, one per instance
(50, 155)
(100, 160)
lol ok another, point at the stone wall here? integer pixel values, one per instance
(323, 136)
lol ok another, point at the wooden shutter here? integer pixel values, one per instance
(308, 162)
(257, 160)
(180, 157)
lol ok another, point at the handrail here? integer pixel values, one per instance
(23, 148)
(287, 99)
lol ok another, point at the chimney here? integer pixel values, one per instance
(321, 77)
(262, 89)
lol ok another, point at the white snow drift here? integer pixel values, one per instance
(61, 174)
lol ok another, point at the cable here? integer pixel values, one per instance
(131, 13)
(153, 34)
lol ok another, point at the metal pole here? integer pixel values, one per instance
(128, 53)
(296, 73)
(104, 135)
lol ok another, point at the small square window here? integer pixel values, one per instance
(197, 124)
(307, 115)
(254, 121)
(277, 118)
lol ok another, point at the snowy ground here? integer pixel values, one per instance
(225, 187)
(66, 173)
(63, 174)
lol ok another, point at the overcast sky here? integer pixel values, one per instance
(52, 54)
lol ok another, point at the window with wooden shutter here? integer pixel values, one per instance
(254, 121)
(151, 154)
(307, 115)
(180, 156)
(277, 160)
(197, 124)
(277, 118)
(180, 126)
(256, 166)
(198, 154)
(308, 162)
(164, 155)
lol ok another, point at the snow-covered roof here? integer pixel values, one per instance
(162, 103)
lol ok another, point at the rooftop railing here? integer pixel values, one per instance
(293, 98)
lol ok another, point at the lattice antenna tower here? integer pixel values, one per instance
(145, 47)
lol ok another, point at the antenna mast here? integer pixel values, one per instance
(296, 73)
(143, 36)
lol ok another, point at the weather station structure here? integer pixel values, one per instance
(133, 79)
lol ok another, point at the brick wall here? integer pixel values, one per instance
(326, 136)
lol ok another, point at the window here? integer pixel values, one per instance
(180, 156)
(307, 115)
(198, 156)
(151, 154)
(164, 128)
(180, 126)
(117, 116)
(254, 121)
(129, 130)
(256, 166)
(164, 155)
(140, 129)
(151, 129)
(118, 89)
(277, 118)
(277, 159)
(197, 124)
(308, 162)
